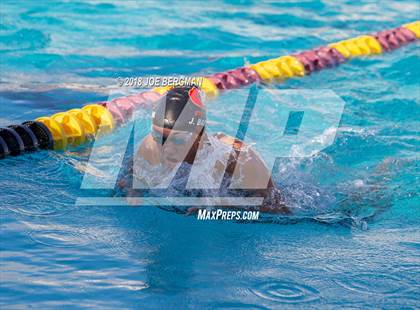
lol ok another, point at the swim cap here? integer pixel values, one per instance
(181, 109)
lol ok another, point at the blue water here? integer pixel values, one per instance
(61, 55)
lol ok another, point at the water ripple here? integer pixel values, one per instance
(286, 292)
(373, 283)
(236, 305)
(59, 238)
(27, 203)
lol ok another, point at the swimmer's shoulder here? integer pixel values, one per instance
(253, 168)
(149, 150)
(231, 141)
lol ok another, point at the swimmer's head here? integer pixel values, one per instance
(179, 119)
(180, 110)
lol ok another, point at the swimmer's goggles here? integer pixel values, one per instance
(175, 138)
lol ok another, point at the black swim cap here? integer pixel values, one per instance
(181, 109)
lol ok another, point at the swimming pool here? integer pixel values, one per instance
(53, 253)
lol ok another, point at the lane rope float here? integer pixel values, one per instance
(30, 142)
(75, 127)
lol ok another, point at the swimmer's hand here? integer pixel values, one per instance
(275, 208)
(274, 203)
(134, 201)
(131, 197)
(192, 210)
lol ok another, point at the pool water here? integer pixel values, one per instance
(354, 243)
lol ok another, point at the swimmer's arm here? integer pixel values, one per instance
(148, 150)
(255, 177)
(251, 169)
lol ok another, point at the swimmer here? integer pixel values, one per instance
(178, 136)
